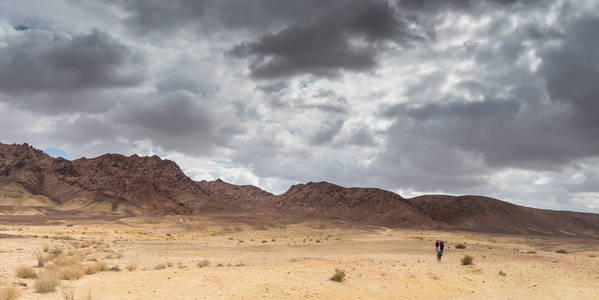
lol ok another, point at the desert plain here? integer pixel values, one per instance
(236, 257)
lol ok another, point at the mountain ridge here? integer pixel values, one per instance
(32, 182)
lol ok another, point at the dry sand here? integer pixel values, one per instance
(248, 261)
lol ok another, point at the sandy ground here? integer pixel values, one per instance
(296, 262)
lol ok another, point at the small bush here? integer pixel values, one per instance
(131, 267)
(68, 295)
(160, 267)
(46, 282)
(66, 260)
(203, 263)
(9, 293)
(115, 268)
(467, 260)
(25, 272)
(169, 264)
(460, 246)
(95, 268)
(55, 252)
(502, 273)
(71, 272)
(531, 252)
(339, 275)
(561, 251)
(41, 258)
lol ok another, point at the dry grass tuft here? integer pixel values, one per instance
(73, 272)
(46, 282)
(460, 246)
(203, 263)
(65, 261)
(25, 272)
(169, 264)
(467, 260)
(9, 293)
(95, 268)
(561, 251)
(159, 267)
(68, 295)
(41, 258)
(115, 268)
(339, 275)
(502, 273)
(131, 267)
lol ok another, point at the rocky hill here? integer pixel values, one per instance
(33, 183)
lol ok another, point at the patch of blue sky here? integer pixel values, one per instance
(57, 152)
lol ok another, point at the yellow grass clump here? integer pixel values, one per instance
(131, 267)
(339, 275)
(25, 272)
(203, 263)
(9, 293)
(46, 282)
(96, 268)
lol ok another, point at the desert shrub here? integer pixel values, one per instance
(531, 252)
(159, 267)
(73, 272)
(9, 293)
(66, 260)
(46, 282)
(55, 252)
(95, 268)
(592, 255)
(203, 263)
(68, 295)
(131, 267)
(25, 272)
(460, 246)
(41, 258)
(46, 248)
(467, 260)
(339, 275)
(115, 268)
(502, 273)
(561, 251)
(169, 264)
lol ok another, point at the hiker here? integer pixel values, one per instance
(439, 245)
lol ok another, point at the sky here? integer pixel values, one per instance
(495, 98)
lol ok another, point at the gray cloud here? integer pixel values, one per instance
(40, 60)
(346, 38)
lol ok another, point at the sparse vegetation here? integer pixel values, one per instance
(95, 268)
(73, 272)
(160, 267)
(25, 272)
(46, 282)
(169, 264)
(561, 251)
(9, 293)
(131, 267)
(502, 273)
(41, 258)
(460, 246)
(115, 268)
(339, 275)
(531, 252)
(467, 260)
(68, 295)
(203, 263)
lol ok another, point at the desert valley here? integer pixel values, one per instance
(116, 227)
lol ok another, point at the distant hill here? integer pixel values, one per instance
(33, 183)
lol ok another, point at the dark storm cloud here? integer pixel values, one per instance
(346, 38)
(39, 60)
(571, 69)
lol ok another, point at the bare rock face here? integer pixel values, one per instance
(362, 205)
(114, 184)
(150, 184)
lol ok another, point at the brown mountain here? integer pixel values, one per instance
(478, 213)
(31, 182)
(361, 205)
